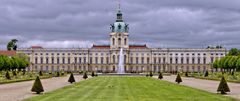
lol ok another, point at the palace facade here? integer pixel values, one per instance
(137, 58)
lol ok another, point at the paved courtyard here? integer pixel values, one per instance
(207, 85)
(21, 90)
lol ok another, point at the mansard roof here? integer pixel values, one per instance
(138, 46)
(36, 47)
(101, 46)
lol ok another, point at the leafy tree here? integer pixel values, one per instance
(85, 75)
(206, 74)
(178, 79)
(12, 45)
(160, 76)
(71, 78)
(223, 86)
(37, 86)
(238, 64)
(7, 75)
(216, 64)
(233, 52)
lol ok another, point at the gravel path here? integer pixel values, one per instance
(22, 90)
(207, 85)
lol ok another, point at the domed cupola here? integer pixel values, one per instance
(119, 25)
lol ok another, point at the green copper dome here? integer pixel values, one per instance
(119, 25)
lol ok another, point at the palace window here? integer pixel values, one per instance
(107, 60)
(142, 60)
(75, 59)
(58, 60)
(125, 59)
(90, 60)
(119, 41)
(125, 41)
(136, 60)
(46, 60)
(114, 59)
(199, 60)
(193, 60)
(155, 60)
(69, 60)
(80, 60)
(164, 60)
(36, 60)
(176, 60)
(63, 60)
(41, 60)
(181, 60)
(113, 41)
(159, 60)
(84, 60)
(96, 60)
(148, 60)
(187, 60)
(101, 60)
(204, 60)
(170, 60)
(212, 59)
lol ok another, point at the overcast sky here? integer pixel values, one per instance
(158, 23)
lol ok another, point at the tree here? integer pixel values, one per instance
(150, 74)
(206, 74)
(85, 75)
(160, 76)
(7, 75)
(223, 86)
(71, 78)
(233, 52)
(12, 45)
(37, 86)
(178, 79)
(93, 74)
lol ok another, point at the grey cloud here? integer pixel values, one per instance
(159, 23)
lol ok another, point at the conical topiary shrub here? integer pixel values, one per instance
(186, 74)
(206, 74)
(40, 73)
(71, 78)
(160, 76)
(93, 74)
(37, 86)
(7, 75)
(178, 79)
(85, 76)
(150, 74)
(223, 86)
(14, 73)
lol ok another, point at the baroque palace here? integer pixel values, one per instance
(137, 58)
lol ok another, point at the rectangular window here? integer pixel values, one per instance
(136, 60)
(159, 60)
(164, 60)
(58, 61)
(52, 60)
(170, 60)
(41, 60)
(142, 60)
(63, 60)
(131, 60)
(90, 60)
(101, 60)
(204, 60)
(187, 60)
(155, 60)
(182, 60)
(148, 60)
(69, 61)
(176, 60)
(47, 60)
(36, 60)
(96, 60)
(75, 59)
(199, 60)
(85, 60)
(80, 60)
(193, 60)
(212, 59)
(107, 60)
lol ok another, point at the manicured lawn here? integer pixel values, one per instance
(128, 89)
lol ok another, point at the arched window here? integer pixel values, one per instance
(125, 41)
(119, 41)
(114, 59)
(113, 41)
